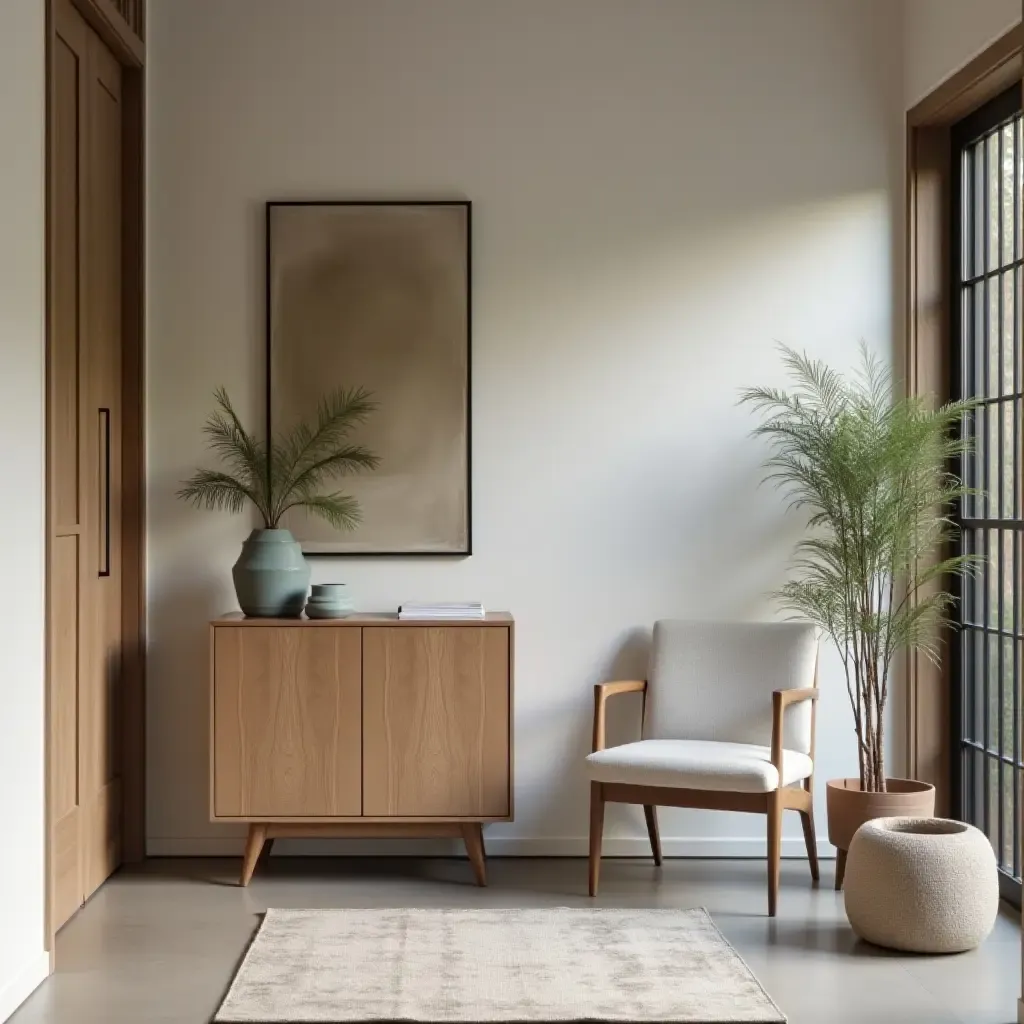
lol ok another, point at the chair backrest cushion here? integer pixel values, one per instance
(714, 681)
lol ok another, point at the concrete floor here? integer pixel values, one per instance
(160, 944)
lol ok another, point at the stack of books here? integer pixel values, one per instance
(441, 611)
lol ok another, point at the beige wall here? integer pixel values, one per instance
(661, 191)
(941, 36)
(23, 963)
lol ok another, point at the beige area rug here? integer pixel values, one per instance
(334, 966)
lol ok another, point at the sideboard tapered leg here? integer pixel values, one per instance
(253, 846)
(473, 836)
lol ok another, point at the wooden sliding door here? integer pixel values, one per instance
(84, 380)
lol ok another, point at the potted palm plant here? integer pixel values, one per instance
(275, 476)
(872, 473)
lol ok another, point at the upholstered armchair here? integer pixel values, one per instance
(728, 724)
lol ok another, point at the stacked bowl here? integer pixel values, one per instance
(329, 601)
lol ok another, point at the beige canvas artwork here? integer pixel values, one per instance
(377, 296)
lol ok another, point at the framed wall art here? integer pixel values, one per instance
(377, 295)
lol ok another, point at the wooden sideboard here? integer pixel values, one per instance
(361, 727)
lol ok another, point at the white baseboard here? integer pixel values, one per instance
(497, 846)
(23, 984)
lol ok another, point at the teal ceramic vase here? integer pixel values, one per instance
(271, 575)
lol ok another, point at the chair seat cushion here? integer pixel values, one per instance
(697, 764)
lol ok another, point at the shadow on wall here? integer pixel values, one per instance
(178, 659)
(545, 790)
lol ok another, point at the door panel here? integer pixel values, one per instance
(64, 268)
(83, 445)
(435, 721)
(287, 722)
(67, 889)
(101, 694)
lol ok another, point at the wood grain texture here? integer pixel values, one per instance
(927, 357)
(100, 608)
(774, 849)
(107, 19)
(67, 79)
(65, 868)
(597, 801)
(253, 845)
(436, 707)
(84, 349)
(602, 692)
(365, 830)
(654, 834)
(286, 722)
(133, 469)
(472, 836)
(67, 86)
(63, 676)
(798, 797)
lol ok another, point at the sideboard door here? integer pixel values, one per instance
(436, 721)
(286, 722)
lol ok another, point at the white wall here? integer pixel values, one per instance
(23, 963)
(661, 191)
(940, 36)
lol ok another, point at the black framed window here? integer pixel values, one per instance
(988, 254)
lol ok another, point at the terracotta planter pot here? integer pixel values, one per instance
(849, 807)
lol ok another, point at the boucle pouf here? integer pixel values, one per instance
(927, 885)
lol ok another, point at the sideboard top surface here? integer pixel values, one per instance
(363, 619)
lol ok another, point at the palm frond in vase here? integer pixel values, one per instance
(289, 471)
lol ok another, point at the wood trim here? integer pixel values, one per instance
(771, 804)
(133, 469)
(362, 619)
(699, 799)
(996, 68)
(927, 372)
(263, 832)
(511, 719)
(602, 691)
(794, 798)
(369, 819)
(366, 830)
(781, 699)
(927, 352)
(112, 28)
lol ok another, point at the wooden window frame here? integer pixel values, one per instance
(927, 363)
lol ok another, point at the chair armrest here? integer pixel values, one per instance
(602, 691)
(781, 699)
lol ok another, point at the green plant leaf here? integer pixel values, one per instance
(871, 474)
(340, 510)
(289, 470)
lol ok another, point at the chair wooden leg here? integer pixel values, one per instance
(596, 833)
(811, 842)
(774, 849)
(253, 846)
(473, 837)
(840, 868)
(651, 814)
